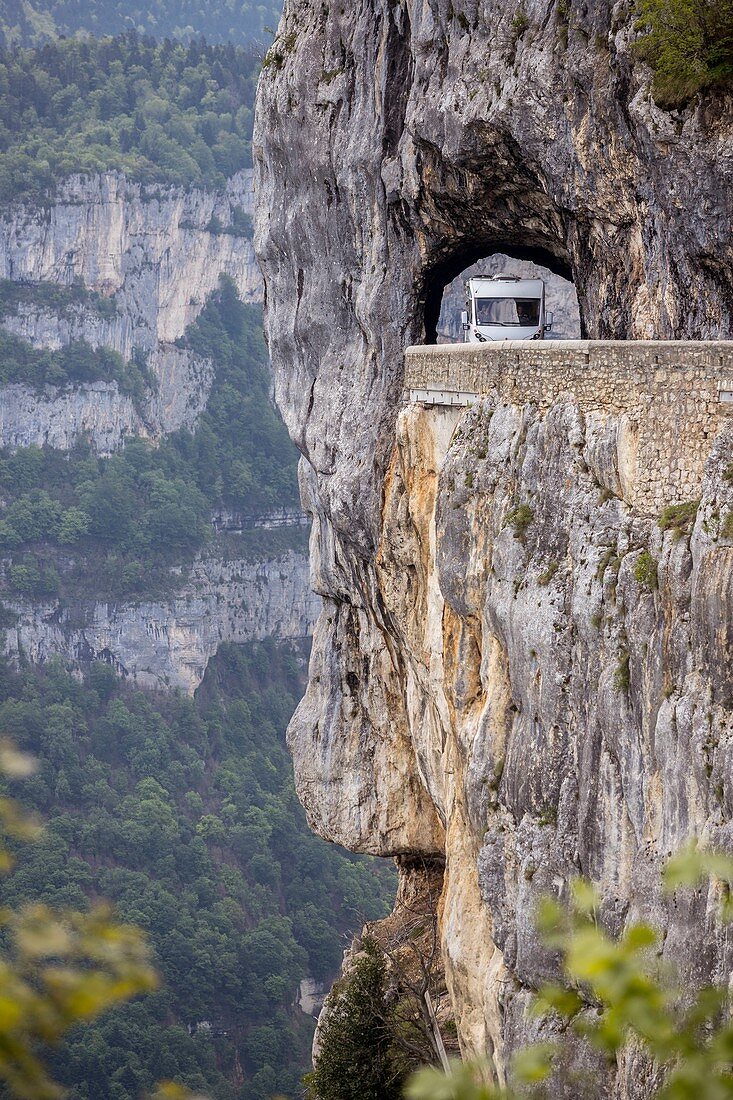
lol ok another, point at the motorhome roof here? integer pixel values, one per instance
(501, 279)
(505, 286)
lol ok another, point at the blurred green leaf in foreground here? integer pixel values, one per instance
(616, 991)
(57, 969)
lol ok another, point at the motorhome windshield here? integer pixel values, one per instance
(508, 311)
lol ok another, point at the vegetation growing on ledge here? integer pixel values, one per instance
(183, 813)
(76, 364)
(54, 297)
(645, 571)
(163, 113)
(129, 517)
(679, 518)
(519, 520)
(689, 46)
(388, 1013)
(622, 673)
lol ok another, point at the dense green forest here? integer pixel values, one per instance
(182, 811)
(164, 113)
(129, 517)
(239, 21)
(73, 364)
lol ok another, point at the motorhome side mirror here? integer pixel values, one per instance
(548, 321)
(464, 318)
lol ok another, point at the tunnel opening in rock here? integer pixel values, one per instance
(445, 297)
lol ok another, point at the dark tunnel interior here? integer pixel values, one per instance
(497, 256)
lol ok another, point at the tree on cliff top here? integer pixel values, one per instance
(688, 44)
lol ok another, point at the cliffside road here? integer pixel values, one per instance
(517, 669)
(670, 399)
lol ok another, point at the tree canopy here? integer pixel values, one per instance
(238, 21)
(182, 812)
(162, 112)
(689, 46)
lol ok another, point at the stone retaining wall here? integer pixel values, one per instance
(671, 397)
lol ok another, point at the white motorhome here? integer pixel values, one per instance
(505, 307)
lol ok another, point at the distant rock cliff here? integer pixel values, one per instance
(517, 703)
(159, 254)
(156, 255)
(167, 642)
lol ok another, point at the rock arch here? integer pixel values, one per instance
(448, 302)
(438, 276)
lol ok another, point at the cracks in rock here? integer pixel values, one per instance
(397, 76)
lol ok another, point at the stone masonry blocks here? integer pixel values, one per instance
(674, 397)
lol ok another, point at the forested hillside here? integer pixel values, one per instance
(239, 21)
(183, 813)
(179, 810)
(161, 112)
(73, 523)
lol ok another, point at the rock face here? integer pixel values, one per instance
(571, 707)
(518, 698)
(168, 642)
(153, 249)
(157, 256)
(56, 417)
(160, 255)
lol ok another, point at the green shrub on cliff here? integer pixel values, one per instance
(519, 520)
(679, 518)
(688, 44)
(645, 571)
(54, 297)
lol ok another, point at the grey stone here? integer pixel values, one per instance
(167, 642)
(462, 703)
(155, 253)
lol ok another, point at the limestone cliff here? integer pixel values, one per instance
(156, 255)
(507, 690)
(159, 255)
(167, 642)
